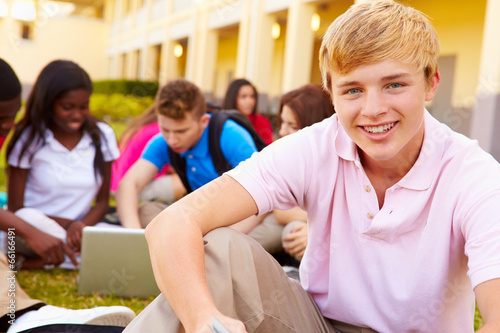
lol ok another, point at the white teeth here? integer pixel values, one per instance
(379, 129)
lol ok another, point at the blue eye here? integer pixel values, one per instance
(352, 91)
(395, 85)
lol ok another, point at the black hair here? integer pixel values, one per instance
(231, 96)
(55, 79)
(10, 87)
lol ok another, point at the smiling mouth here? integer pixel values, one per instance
(379, 129)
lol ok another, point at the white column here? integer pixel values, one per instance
(166, 66)
(486, 114)
(299, 45)
(243, 40)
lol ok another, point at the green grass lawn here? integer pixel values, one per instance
(59, 287)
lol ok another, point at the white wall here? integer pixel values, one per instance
(79, 39)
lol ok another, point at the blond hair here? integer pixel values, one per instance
(371, 32)
(179, 97)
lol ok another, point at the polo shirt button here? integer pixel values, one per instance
(368, 188)
(190, 155)
(369, 215)
(193, 169)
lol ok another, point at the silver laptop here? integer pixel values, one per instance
(116, 261)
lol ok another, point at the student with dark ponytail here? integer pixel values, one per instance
(60, 156)
(242, 95)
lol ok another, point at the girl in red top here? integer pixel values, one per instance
(242, 96)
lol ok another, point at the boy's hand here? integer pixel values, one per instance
(231, 325)
(296, 241)
(205, 323)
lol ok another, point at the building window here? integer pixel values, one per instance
(126, 7)
(124, 66)
(26, 31)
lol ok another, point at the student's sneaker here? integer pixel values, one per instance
(47, 315)
(292, 272)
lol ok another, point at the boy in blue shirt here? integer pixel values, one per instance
(183, 121)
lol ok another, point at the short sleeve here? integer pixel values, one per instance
(156, 151)
(481, 229)
(236, 143)
(109, 146)
(269, 177)
(281, 175)
(25, 161)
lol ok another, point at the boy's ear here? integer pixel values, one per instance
(204, 120)
(432, 87)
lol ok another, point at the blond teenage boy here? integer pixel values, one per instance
(403, 224)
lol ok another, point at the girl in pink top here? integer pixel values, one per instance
(242, 96)
(132, 141)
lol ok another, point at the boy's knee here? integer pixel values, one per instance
(149, 210)
(220, 234)
(225, 241)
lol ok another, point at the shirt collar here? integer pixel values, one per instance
(84, 142)
(200, 150)
(425, 168)
(344, 146)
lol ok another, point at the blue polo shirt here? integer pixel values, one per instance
(236, 144)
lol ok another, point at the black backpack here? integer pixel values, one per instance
(215, 126)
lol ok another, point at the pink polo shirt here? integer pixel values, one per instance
(410, 266)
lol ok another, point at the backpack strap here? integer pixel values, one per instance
(215, 127)
(179, 164)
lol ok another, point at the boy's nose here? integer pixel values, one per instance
(374, 104)
(171, 139)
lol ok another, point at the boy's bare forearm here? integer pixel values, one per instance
(180, 275)
(175, 239)
(127, 205)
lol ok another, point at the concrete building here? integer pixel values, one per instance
(33, 33)
(273, 43)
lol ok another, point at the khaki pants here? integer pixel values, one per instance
(160, 189)
(8, 294)
(246, 283)
(148, 211)
(268, 234)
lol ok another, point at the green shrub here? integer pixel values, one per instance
(117, 107)
(126, 87)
